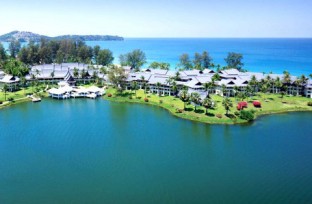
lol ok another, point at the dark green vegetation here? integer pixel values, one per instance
(29, 36)
(47, 52)
(95, 151)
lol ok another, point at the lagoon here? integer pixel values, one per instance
(95, 151)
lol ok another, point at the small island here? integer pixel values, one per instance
(196, 90)
(25, 36)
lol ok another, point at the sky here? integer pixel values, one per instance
(160, 18)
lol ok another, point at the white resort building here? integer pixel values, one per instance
(163, 82)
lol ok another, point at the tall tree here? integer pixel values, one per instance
(117, 76)
(96, 50)
(3, 55)
(234, 60)
(105, 57)
(5, 89)
(195, 98)
(197, 61)
(15, 67)
(185, 62)
(227, 104)
(135, 59)
(135, 87)
(208, 104)
(206, 60)
(159, 65)
(14, 48)
(184, 96)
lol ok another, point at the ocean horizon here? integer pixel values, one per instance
(260, 54)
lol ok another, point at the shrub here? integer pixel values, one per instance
(247, 115)
(1, 102)
(179, 110)
(11, 99)
(310, 103)
(219, 115)
(130, 97)
(236, 113)
(146, 99)
(160, 101)
(109, 95)
(139, 97)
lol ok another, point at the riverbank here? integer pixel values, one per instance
(271, 104)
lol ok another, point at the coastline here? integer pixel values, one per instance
(204, 118)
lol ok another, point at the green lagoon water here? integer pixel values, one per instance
(94, 151)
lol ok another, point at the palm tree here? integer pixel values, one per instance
(264, 89)
(23, 83)
(76, 73)
(37, 73)
(184, 96)
(208, 103)
(297, 82)
(253, 82)
(177, 76)
(269, 81)
(286, 79)
(208, 86)
(236, 90)
(143, 82)
(158, 85)
(134, 86)
(174, 88)
(52, 75)
(227, 103)
(169, 82)
(223, 88)
(278, 84)
(303, 80)
(5, 89)
(83, 75)
(103, 70)
(216, 77)
(248, 91)
(195, 98)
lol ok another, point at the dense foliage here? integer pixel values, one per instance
(247, 115)
(234, 60)
(135, 59)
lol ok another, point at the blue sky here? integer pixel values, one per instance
(161, 18)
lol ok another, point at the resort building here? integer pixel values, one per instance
(70, 72)
(231, 81)
(162, 82)
(308, 89)
(12, 82)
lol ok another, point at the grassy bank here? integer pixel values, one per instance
(20, 96)
(271, 103)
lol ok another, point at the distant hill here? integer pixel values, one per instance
(24, 36)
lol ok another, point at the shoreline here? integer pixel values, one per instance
(209, 119)
(185, 115)
(178, 115)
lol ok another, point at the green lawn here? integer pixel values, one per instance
(271, 103)
(21, 95)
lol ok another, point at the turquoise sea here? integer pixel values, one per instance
(95, 151)
(261, 55)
